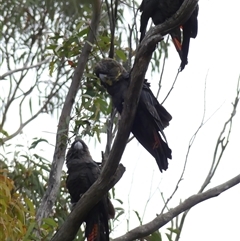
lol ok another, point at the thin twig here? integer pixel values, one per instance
(169, 92)
(24, 68)
(191, 141)
(23, 124)
(162, 71)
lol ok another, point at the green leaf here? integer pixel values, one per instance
(156, 236)
(120, 201)
(3, 132)
(51, 67)
(113, 192)
(169, 237)
(50, 222)
(138, 216)
(79, 25)
(174, 230)
(83, 32)
(35, 143)
(30, 105)
(30, 205)
(120, 53)
(29, 231)
(119, 214)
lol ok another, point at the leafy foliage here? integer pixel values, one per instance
(14, 214)
(23, 184)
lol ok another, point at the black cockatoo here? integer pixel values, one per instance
(82, 173)
(159, 11)
(151, 117)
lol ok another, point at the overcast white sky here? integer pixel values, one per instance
(215, 51)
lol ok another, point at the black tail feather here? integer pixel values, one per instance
(162, 154)
(96, 227)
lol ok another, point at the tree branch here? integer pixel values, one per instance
(216, 160)
(223, 137)
(41, 110)
(140, 66)
(169, 92)
(24, 68)
(161, 220)
(176, 20)
(162, 71)
(190, 144)
(110, 133)
(62, 131)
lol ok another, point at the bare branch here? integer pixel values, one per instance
(12, 91)
(216, 160)
(169, 92)
(163, 219)
(24, 68)
(112, 16)
(132, 36)
(222, 141)
(192, 139)
(11, 96)
(161, 75)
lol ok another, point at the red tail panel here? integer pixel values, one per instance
(94, 233)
